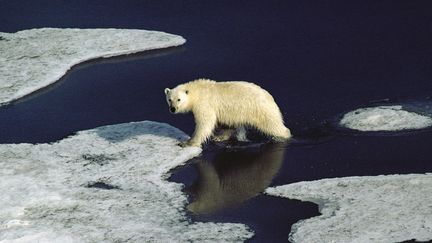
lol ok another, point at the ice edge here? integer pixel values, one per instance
(46, 195)
(172, 41)
(339, 208)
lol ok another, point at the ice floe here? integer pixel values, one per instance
(102, 185)
(390, 208)
(385, 118)
(33, 59)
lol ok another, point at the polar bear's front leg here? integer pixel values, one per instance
(205, 124)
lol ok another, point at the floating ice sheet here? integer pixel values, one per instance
(102, 185)
(391, 208)
(33, 59)
(385, 118)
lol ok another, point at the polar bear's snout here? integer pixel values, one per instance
(172, 109)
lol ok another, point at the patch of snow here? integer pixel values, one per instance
(33, 59)
(384, 118)
(390, 208)
(46, 197)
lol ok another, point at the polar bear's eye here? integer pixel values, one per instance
(169, 100)
(178, 100)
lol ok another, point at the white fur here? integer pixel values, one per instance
(232, 104)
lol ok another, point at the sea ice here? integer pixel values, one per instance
(384, 118)
(391, 208)
(48, 191)
(33, 59)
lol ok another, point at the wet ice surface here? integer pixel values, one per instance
(102, 185)
(385, 118)
(33, 59)
(390, 208)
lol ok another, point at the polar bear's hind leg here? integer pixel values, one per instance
(241, 134)
(224, 135)
(274, 128)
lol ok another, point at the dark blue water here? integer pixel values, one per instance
(318, 59)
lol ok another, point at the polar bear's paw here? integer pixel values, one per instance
(189, 144)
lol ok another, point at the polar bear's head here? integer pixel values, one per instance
(178, 99)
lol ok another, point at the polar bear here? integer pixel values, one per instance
(233, 104)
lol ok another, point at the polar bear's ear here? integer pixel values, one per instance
(167, 91)
(187, 91)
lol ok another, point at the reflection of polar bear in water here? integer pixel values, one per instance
(230, 104)
(234, 176)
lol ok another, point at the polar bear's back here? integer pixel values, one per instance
(240, 87)
(237, 102)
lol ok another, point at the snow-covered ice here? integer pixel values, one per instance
(33, 59)
(391, 208)
(53, 193)
(385, 118)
